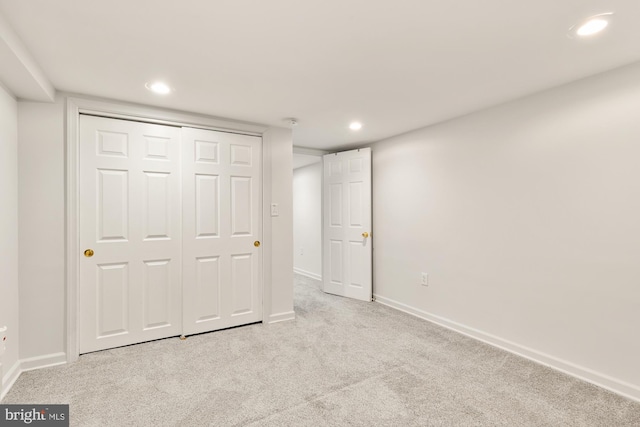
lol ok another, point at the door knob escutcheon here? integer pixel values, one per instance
(88, 253)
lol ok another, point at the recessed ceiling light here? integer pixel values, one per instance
(158, 87)
(592, 25)
(355, 126)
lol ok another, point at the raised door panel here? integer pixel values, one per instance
(114, 144)
(112, 300)
(206, 152)
(357, 213)
(157, 294)
(356, 259)
(241, 284)
(113, 205)
(335, 262)
(157, 148)
(241, 206)
(241, 155)
(335, 205)
(157, 205)
(207, 287)
(207, 206)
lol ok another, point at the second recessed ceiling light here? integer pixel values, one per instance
(591, 26)
(158, 87)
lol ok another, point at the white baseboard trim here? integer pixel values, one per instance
(307, 274)
(281, 317)
(45, 361)
(10, 378)
(30, 364)
(615, 385)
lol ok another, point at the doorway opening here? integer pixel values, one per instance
(332, 221)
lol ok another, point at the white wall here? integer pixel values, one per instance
(527, 219)
(42, 225)
(278, 234)
(42, 228)
(9, 236)
(307, 220)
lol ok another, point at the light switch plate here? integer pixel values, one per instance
(274, 209)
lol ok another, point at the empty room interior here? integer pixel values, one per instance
(321, 212)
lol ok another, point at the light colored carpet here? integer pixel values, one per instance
(341, 362)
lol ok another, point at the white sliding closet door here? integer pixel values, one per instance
(222, 230)
(130, 233)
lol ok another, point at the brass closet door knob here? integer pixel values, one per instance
(365, 234)
(88, 253)
(256, 243)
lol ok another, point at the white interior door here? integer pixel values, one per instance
(130, 220)
(346, 242)
(222, 230)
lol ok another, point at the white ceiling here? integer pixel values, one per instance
(394, 65)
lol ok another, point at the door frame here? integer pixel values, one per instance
(78, 105)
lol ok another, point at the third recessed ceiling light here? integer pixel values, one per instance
(591, 26)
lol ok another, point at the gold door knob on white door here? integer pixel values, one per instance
(365, 234)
